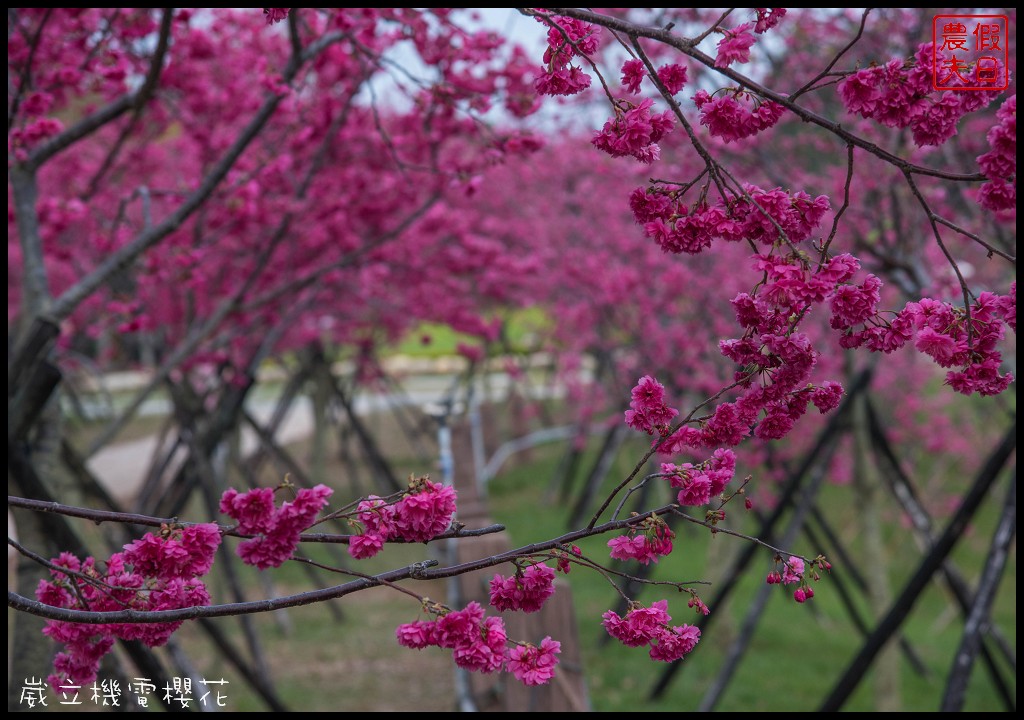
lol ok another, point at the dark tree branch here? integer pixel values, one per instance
(687, 47)
(125, 255)
(828, 68)
(417, 571)
(902, 606)
(142, 96)
(24, 77)
(995, 564)
(102, 516)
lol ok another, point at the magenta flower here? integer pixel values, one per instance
(365, 546)
(251, 510)
(640, 626)
(527, 590)
(417, 635)
(767, 18)
(673, 77)
(278, 529)
(793, 570)
(485, 653)
(635, 132)
(565, 81)
(673, 644)
(652, 542)
(827, 396)
(633, 73)
(276, 15)
(735, 46)
(533, 665)
(855, 304)
(648, 411)
(460, 627)
(425, 512)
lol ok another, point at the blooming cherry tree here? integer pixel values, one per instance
(738, 220)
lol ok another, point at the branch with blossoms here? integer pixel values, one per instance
(146, 591)
(797, 277)
(687, 47)
(781, 221)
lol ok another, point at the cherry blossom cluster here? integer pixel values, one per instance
(422, 513)
(735, 45)
(82, 62)
(698, 484)
(901, 94)
(480, 643)
(952, 336)
(772, 352)
(1000, 163)
(650, 626)
(645, 542)
(276, 529)
(567, 38)
(945, 333)
(770, 408)
(156, 572)
(534, 664)
(776, 362)
(634, 131)
(763, 216)
(526, 590)
(767, 18)
(672, 76)
(34, 132)
(647, 408)
(795, 572)
(734, 114)
(276, 15)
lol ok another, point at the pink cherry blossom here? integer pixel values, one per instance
(533, 665)
(640, 626)
(734, 47)
(417, 635)
(527, 590)
(633, 73)
(425, 511)
(645, 543)
(277, 529)
(276, 15)
(673, 77)
(767, 18)
(648, 410)
(793, 570)
(674, 643)
(635, 132)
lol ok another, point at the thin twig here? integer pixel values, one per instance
(700, 38)
(828, 68)
(989, 248)
(618, 508)
(750, 538)
(102, 516)
(945, 251)
(26, 70)
(710, 164)
(846, 204)
(647, 456)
